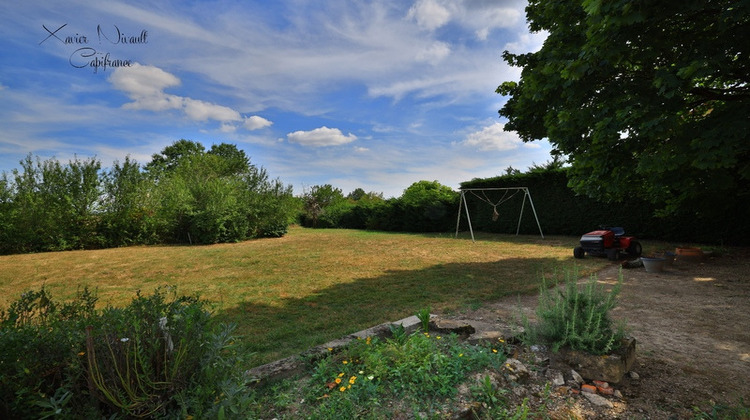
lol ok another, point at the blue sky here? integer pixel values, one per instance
(358, 94)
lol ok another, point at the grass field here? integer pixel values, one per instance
(311, 286)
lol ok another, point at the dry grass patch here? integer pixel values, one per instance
(290, 293)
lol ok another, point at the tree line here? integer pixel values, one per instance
(424, 206)
(185, 194)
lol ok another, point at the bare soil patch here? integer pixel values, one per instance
(692, 325)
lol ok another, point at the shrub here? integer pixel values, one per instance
(161, 356)
(40, 340)
(576, 317)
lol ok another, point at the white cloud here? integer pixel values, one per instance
(140, 82)
(429, 14)
(485, 20)
(329, 45)
(256, 123)
(322, 136)
(527, 42)
(145, 85)
(493, 138)
(434, 53)
(481, 17)
(198, 110)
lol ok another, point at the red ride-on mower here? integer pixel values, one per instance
(609, 241)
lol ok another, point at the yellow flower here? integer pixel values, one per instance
(439, 337)
(330, 348)
(352, 380)
(494, 350)
(337, 380)
(341, 374)
(461, 355)
(82, 353)
(342, 389)
(345, 362)
(501, 340)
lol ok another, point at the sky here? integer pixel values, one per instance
(357, 94)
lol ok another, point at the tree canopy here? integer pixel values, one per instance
(644, 98)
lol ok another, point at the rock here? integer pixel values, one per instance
(468, 411)
(609, 368)
(536, 348)
(577, 378)
(279, 369)
(598, 400)
(617, 394)
(555, 377)
(558, 380)
(447, 326)
(485, 337)
(516, 370)
(410, 324)
(562, 390)
(634, 376)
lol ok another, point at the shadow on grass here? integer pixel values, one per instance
(296, 324)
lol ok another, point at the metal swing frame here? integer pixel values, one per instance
(526, 194)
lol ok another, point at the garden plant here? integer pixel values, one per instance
(576, 317)
(162, 356)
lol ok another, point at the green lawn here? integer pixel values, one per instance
(311, 286)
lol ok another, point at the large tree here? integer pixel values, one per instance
(646, 98)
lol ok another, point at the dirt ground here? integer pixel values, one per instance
(692, 326)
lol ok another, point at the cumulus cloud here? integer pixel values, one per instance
(146, 85)
(322, 136)
(493, 138)
(256, 123)
(429, 14)
(198, 110)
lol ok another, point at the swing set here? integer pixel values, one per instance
(508, 193)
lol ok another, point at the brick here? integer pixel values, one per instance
(601, 384)
(606, 391)
(588, 388)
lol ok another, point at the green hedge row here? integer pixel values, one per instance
(563, 212)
